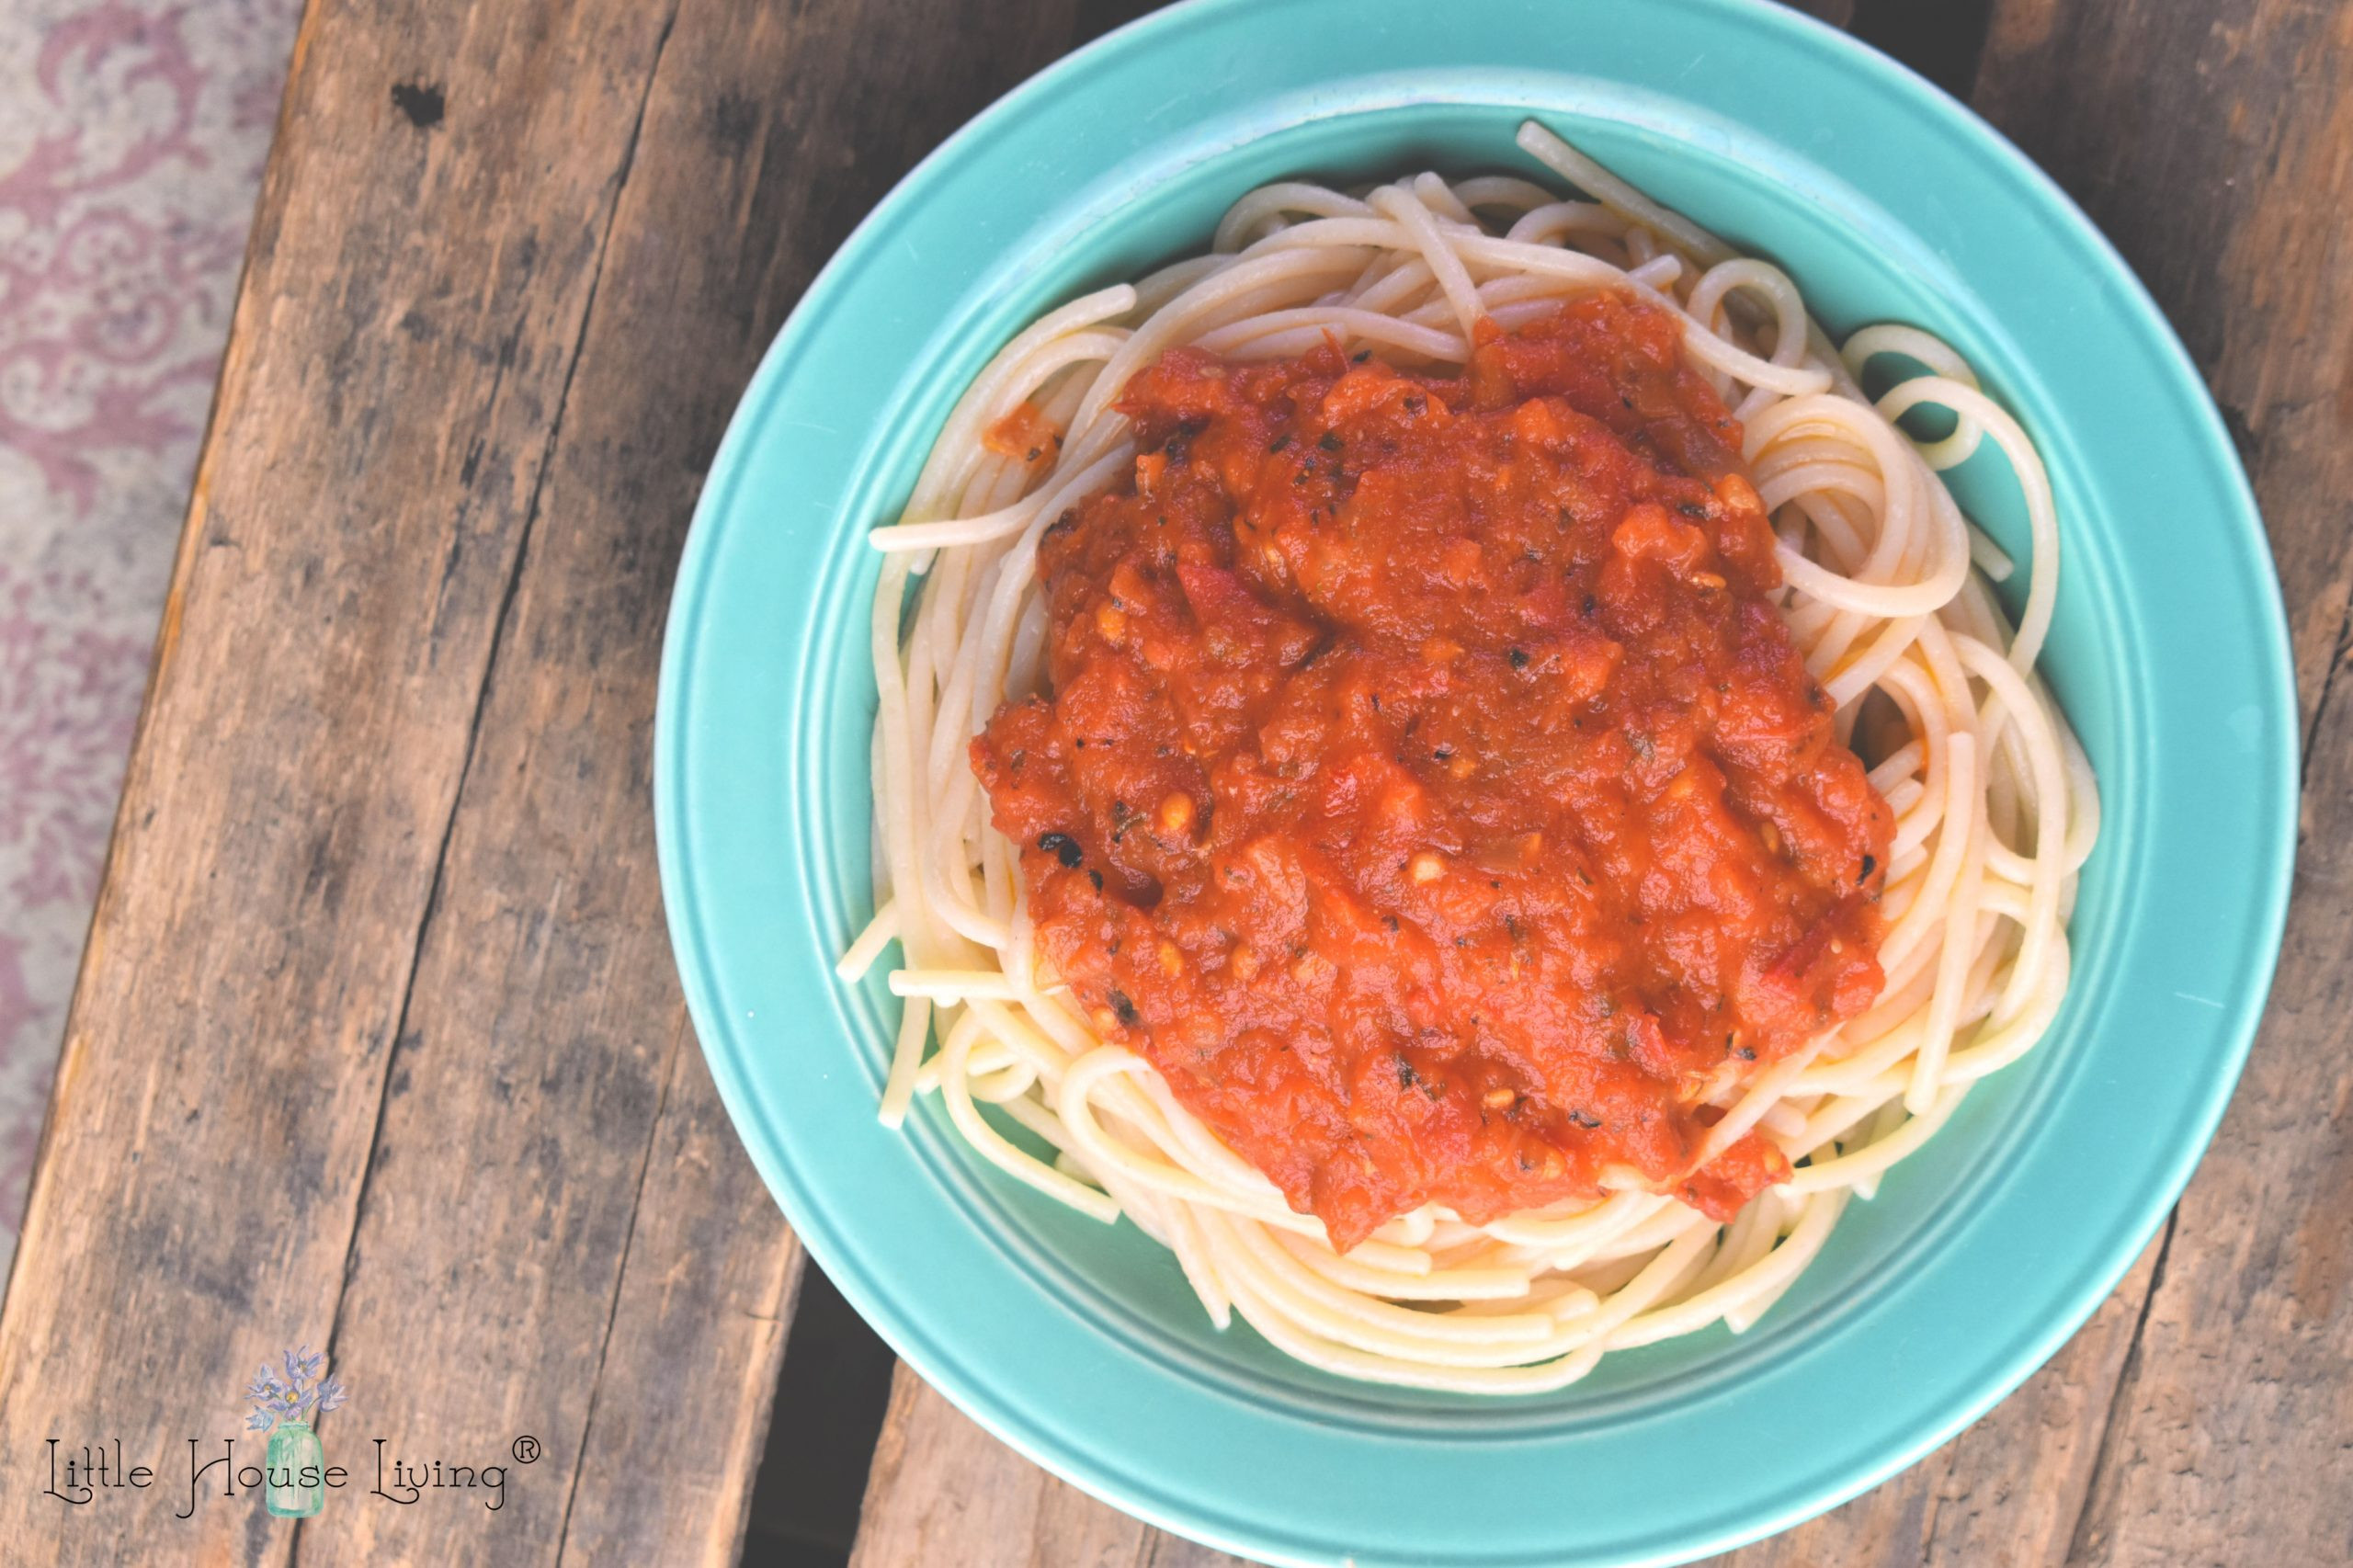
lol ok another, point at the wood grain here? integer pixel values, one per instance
(403, 335)
(386, 848)
(619, 1284)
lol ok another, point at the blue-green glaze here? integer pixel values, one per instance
(1081, 1345)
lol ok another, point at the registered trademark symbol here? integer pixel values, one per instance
(527, 1449)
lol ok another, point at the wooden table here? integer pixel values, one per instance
(378, 1043)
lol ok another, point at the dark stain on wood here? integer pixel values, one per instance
(420, 102)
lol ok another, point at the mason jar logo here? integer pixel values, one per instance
(285, 1399)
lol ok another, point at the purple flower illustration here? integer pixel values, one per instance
(299, 1389)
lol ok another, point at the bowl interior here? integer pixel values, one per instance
(1855, 265)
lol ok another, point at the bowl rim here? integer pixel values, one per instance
(726, 1051)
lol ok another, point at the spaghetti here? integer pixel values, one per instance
(1882, 584)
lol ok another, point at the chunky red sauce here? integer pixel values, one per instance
(1428, 789)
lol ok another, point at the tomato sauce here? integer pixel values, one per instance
(1428, 788)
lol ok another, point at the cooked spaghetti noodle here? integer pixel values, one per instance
(1884, 588)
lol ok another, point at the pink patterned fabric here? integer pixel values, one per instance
(132, 138)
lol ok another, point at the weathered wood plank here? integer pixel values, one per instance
(414, 294)
(617, 1285)
(689, 1366)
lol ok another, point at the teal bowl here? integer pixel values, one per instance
(1079, 1344)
